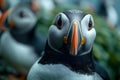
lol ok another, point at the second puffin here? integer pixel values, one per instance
(21, 45)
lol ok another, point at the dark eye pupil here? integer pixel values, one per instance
(59, 22)
(21, 14)
(90, 25)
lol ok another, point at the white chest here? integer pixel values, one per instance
(18, 55)
(58, 72)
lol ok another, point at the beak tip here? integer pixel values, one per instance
(74, 53)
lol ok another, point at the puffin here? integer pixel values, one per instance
(107, 9)
(68, 50)
(4, 9)
(21, 45)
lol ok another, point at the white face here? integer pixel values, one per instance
(88, 32)
(56, 34)
(62, 26)
(23, 18)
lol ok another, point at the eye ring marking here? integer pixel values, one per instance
(21, 14)
(90, 24)
(59, 22)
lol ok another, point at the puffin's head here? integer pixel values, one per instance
(73, 31)
(22, 18)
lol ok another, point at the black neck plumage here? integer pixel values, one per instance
(25, 38)
(31, 38)
(82, 64)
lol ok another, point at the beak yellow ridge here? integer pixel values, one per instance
(82, 41)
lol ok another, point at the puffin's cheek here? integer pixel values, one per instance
(55, 39)
(88, 42)
(93, 33)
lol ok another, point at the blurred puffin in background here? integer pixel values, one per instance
(104, 8)
(68, 51)
(108, 11)
(4, 9)
(21, 45)
(5, 6)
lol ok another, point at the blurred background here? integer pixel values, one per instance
(106, 14)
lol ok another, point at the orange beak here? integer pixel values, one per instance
(74, 40)
(2, 19)
(12, 24)
(2, 4)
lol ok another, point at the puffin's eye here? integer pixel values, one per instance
(90, 25)
(59, 22)
(21, 14)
